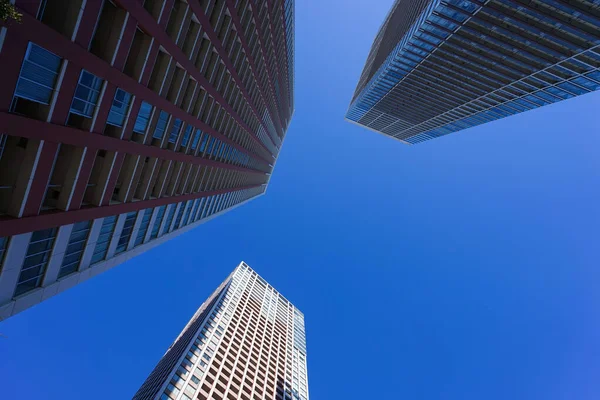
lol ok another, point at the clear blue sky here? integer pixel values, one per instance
(464, 268)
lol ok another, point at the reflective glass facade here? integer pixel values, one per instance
(460, 63)
(245, 342)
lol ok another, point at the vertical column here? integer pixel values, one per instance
(111, 183)
(56, 259)
(87, 23)
(135, 229)
(88, 252)
(9, 275)
(151, 224)
(12, 54)
(116, 235)
(80, 182)
(125, 42)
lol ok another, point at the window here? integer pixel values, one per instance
(210, 146)
(75, 248)
(194, 209)
(172, 389)
(118, 110)
(179, 215)
(186, 135)
(203, 144)
(196, 139)
(126, 232)
(175, 131)
(86, 94)
(39, 74)
(141, 122)
(161, 125)
(157, 221)
(170, 217)
(139, 239)
(108, 225)
(36, 260)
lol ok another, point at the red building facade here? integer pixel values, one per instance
(124, 123)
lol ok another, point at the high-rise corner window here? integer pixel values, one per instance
(161, 125)
(126, 232)
(86, 94)
(36, 260)
(36, 83)
(106, 232)
(143, 118)
(75, 248)
(119, 108)
(39, 74)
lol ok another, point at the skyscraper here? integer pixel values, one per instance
(125, 123)
(245, 342)
(437, 67)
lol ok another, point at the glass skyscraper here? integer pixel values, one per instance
(246, 342)
(437, 67)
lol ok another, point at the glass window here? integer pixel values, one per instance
(568, 86)
(175, 130)
(118, 110)
(586, 83)
(191, 206)
(161, 125)
(179, 216)
(186, 135)
(203, 144)
(75, 248)
(126, 232)
(86, 94)
(36, 260)
(108, 226)
(170, 217)
(157, 222)
(196, 139)
(141, 122)
(38, 75)
(210, 146)
(139, 239)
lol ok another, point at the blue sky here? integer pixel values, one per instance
(464, 268)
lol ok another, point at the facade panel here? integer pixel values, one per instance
(121, 114)
(455, 64)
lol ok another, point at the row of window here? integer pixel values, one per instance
(194, 365)
(105, 43)
(37, 83)
(493, 62)
(40, 247)
(202, 143)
